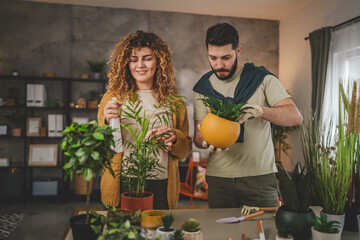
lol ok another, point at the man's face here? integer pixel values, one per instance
(223, 60)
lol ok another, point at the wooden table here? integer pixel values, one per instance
(218, 231)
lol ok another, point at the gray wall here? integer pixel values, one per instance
(41, 37)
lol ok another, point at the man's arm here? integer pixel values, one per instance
(283, 113)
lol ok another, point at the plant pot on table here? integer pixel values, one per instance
(129, 200)
(81, 230)
(165, 235)
(317, 235)
(335, 217)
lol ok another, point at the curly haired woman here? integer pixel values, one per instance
(142, 64)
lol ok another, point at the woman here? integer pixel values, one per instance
(142, 64)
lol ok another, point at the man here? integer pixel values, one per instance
(244, 174)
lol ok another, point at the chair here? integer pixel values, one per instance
(187, 187)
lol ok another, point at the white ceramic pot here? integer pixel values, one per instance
(333, 217)
(164, 235)
(96, 75)
(193, 235)
(281, 238)
(316, 235)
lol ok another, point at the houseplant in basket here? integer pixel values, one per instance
(96, 67)
(331, 159)
(87, 150)
(220, 127)
(325, 230)
(191, 230)
(295, 191)
(142, 162)
(166, 231)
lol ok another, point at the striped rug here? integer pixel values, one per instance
(8, 222)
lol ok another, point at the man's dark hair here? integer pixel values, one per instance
(222, 34)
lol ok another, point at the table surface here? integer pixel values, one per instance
(218, 231)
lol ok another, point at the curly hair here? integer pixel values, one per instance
(120, 78)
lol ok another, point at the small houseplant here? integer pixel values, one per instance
(284, 233)
(94, 97)
(323, 229)
(88, 151)
(12, 95)
(18, 119)
(142, 160)
(178, 235)
(96, 67)
(220, 127)
(191, 229)
(295, 191)
(166, 231)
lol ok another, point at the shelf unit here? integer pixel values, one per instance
(63, 91)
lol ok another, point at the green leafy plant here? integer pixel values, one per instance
(295, 189)
(88, 151)
(191, 225)
(96, 66)
(119, 226)
(94, 95)
(178, 235)
(322, 225)
(143, 153)
(167, 221)
(17, 118)
(284, 231)
(227, 110)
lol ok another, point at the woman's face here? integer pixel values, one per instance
(143, 67)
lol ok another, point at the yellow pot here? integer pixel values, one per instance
(152, 218)
(219, 132)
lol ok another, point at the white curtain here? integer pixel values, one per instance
(343, 66)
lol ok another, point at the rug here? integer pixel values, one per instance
(8, 222)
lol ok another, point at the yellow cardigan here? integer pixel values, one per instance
(110, 186)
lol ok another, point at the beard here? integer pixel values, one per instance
(231, 71)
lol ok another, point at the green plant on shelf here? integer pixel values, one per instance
(94, 95)
(17, 118)
(96, 66)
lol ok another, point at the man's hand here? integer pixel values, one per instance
(211, 148)
(253, 111)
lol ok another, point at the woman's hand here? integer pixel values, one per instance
(111, 110)
(169, 136)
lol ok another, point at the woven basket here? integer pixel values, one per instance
(79, 183)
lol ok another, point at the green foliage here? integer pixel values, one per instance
(191, 225)
(143, 159)
(178, 235)
(87, 150)
(94, 95)
(96, 66)
(227, 110)
(119, 226)
(17, 118)
(322, 225)
(284, 231)
(168, 220)
(295, 189)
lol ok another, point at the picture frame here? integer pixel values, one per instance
(4, 129)
(196, 156)
(43, 154)
(33, 127)
(80, 120)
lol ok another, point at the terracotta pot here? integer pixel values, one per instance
(317, 235)
(152, 218)
(92, 104)
(10, 102)
(80, 184)
(193, 235)
(129, 201)
(219, 132)
(16, 132)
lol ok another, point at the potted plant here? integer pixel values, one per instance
(94, 97)
(220, 127)
(191, 230)
(119, 226)
(283, 233)
(331, 159)
(142, 160)
(151, 219)
(96, 67)
(295, 191)
(12, 95)
(88, 151)
(325, 230)
(166, 231)
(178, 235)
(17, 118)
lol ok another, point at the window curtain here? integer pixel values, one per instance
(343, 66)
(319, 45)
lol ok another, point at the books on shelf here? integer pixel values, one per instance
(36, 95)
(55, 125)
